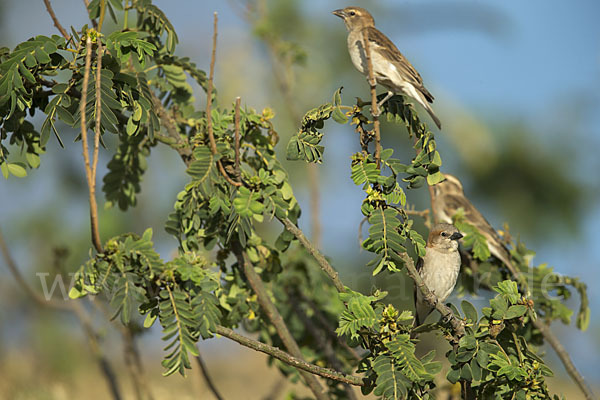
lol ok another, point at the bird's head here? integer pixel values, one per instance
(451, 185)
(444, 237)
(355, 17)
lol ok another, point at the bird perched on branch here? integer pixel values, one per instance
(390, 68)
(449, 197)
(439, 267)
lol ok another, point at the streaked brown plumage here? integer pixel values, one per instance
(390, 67)
(449, 197)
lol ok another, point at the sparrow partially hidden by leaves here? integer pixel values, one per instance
(390, 67)
(439, 267)
(449, 198)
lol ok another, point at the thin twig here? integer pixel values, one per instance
(288, 359)
(562, 353)
(209, 93)
(209, 89)
(238, 174)
(131, 364)
(207, 378)
(87, 5)
(549, 336)
(73, 307)
(320, 258)
(102, 14)
(98, 111)
(166, 119)
(86, 156)
(133, 360)
(327, 325)
(226, 176)
(276, 319)
(281, 64)
(374, 105)
(105, 366)
(315, 204)
(322, 343)
(431, 298)
(55, 20)
(35, 296)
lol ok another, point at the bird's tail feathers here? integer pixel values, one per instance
(422, 99)
(434, 117)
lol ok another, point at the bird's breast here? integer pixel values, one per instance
(385, 72)
(440, 271)
(357, 51)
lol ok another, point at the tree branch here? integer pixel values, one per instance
(276, 319)
(55, 20)
(288, 359)
(327, 325)
(322, 343)
(431, 299)
(551, 338)
(207, 378)
(209, 90)
(374, 105)
(73, 307)
(86, 156)
(236, 123)
(283, 74)
(562, 353)
(321, 260)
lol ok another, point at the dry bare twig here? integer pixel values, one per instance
(209, 92)
(86, 156)
(55, 20)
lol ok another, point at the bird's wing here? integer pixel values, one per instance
(419, 265)
(454, 201)
(417, 295)
(384, 46)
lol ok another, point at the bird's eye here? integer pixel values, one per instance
(352, 13)
(444, 234)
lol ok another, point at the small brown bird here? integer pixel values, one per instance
(439, 268)
(390, 67)
(449, 197)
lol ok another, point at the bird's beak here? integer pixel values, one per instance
(456, 236)
(340, 13)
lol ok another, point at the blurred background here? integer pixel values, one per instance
(517, 87)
